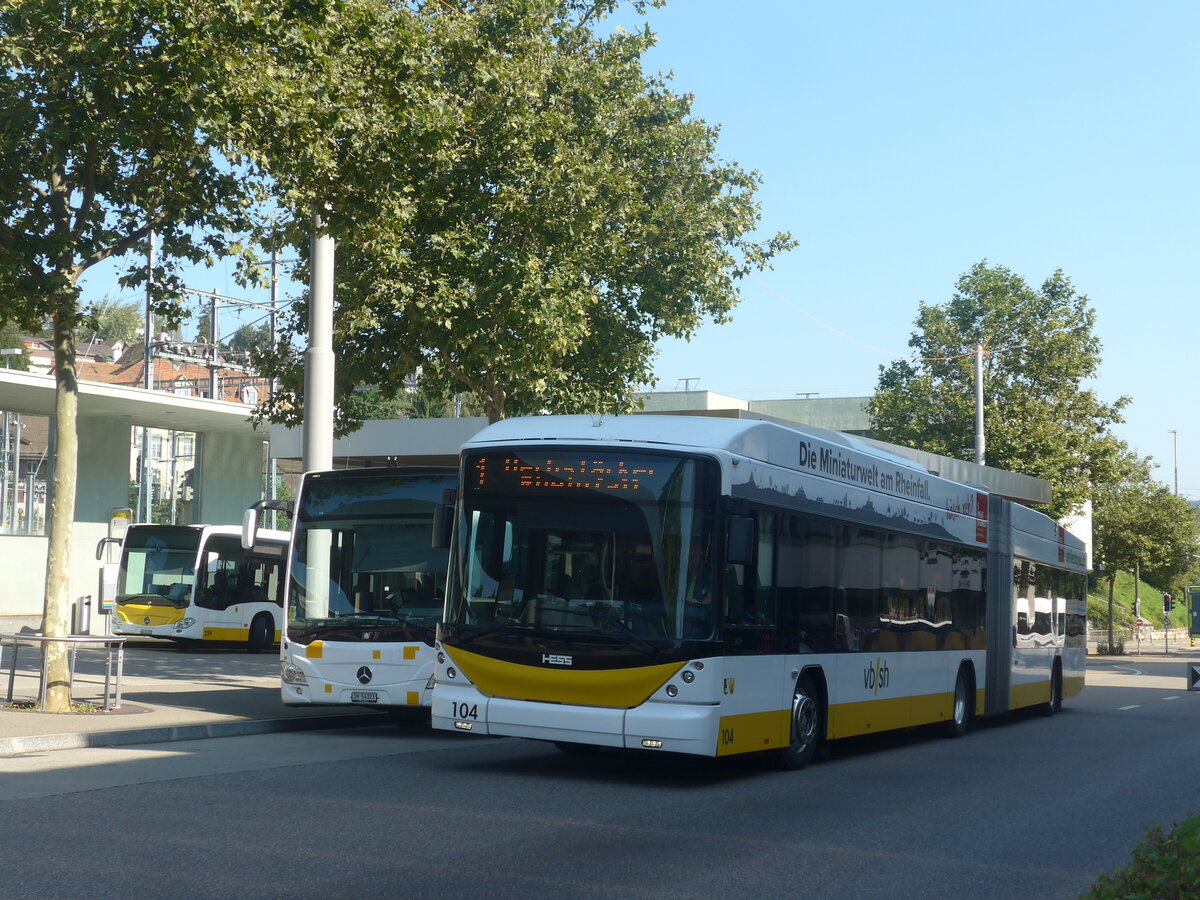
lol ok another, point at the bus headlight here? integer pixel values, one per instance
(291, 673)
(184, 624)
(672, 691)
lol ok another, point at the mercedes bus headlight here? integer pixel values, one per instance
(184, 624)
(291, 673)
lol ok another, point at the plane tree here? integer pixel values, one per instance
(113, 127)
(564, 213)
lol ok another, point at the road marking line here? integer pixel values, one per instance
(1170, 698)
(1123, 708)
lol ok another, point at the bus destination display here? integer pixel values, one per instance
(569, 471)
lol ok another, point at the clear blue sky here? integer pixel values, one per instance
(902, 142)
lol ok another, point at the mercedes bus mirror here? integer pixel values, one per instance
(443, 526)
(249, 527)
(105, 542)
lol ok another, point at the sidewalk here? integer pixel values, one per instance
(168, 693)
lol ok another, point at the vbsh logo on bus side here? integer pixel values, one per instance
(876, 676)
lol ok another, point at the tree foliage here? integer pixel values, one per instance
(248, 337)
(1138, 523)
(110, 320)
(10, 339)
(1040, 350)
(554, 213)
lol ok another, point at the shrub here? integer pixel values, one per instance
(1164, 867)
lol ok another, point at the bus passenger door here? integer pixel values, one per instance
(219, 590)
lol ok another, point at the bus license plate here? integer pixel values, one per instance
(364, 696)
(145, 631)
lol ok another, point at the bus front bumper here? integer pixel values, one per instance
(654, 725)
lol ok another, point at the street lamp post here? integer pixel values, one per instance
(980, 440)
(1175, 441)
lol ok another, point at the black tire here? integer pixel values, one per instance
(262, 634)
(1054, 704)
(807, 729)
(963, 708)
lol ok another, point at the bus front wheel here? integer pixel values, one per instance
(806, 724)
(262, 634)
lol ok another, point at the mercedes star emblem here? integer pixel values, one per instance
(364, 675)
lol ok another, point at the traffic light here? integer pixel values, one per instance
(1168, 604)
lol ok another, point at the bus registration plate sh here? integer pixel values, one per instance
(364, 696)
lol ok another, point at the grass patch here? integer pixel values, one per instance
(77, 706)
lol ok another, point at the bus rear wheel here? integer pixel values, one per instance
(806, 723)
(262, 634)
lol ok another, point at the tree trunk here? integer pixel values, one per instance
(56, 615)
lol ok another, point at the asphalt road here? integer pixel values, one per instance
(1021, 807)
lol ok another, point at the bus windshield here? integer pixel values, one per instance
(158, 565)
(364, 566)
(638, 564)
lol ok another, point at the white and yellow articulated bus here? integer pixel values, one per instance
(367, 586)
(721, 586)
(197, 583)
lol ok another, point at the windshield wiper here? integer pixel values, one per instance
(493, 628)
(355, 629)
(643, 645)
(152, 600)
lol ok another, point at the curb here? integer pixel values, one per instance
(40, 743)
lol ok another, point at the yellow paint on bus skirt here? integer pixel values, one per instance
(1031, 694)
(751, 732)
(225, 634)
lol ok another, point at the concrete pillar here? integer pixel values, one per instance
(230, 477)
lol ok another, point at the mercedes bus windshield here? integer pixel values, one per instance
(364, 567)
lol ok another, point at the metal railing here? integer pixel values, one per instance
(112, 699)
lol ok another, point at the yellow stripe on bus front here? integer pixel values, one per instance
(137, 614)
(613, 688)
